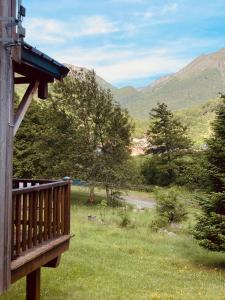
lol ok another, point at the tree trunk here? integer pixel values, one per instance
(91, 193)
(107, 190)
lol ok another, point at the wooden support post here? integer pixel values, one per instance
(43, 90)
(24, 105)
(34, 285)
(7, 10)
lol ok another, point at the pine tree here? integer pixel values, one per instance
(210, 229)
(168, 141)
(166, 134)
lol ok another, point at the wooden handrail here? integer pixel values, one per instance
(34, 180)
(39, 187)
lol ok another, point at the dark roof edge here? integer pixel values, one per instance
(38, 60)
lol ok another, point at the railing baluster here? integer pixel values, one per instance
(30, 223)
(50, 212)
(62, 210)
(46, 215)
(18, 224)
(58, 206)
(54, 211)
(24, 223)
(41, 198)
(35, 204)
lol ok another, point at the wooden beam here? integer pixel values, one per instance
(22, 80)
(7, 9)
(34, 285)
(53, 263)
(24, 105)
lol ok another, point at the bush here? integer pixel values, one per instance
(102, 206)
(189, 169)
(157, 171)
(170, 206)
(210, 228)
(159, 222)
(125, 220)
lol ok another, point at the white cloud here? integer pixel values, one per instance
(96, 25)
(142, 67)
(47, 31)
(170, 8)
(116, 65)
(157, 13)
(53, 30)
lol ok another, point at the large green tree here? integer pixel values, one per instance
(103, 129)
(43, 142)
(210, 229)
(168, 141)
(79, 132)
(166, 133)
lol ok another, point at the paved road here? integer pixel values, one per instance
(139, 202)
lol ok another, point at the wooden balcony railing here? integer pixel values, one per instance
(41, 213)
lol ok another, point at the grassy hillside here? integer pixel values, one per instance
(197, 118)
(106, 261)
(186, 92)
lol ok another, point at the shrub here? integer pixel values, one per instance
(170, 206)
(188, 169)
(125, 220)
(124, 216)
(102, 209)
(210, 228)
(159, 222)
(114, 198)
(157, 171)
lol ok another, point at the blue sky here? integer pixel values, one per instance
(127, 42)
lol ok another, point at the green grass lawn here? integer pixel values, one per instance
(106, 261)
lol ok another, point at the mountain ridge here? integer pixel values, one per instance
(200, 81)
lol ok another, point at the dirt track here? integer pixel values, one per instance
(140, 202)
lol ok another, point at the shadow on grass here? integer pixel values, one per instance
(199, 257)
(80, 196)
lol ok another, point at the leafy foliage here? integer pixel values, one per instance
(79, 132)
(43, 143)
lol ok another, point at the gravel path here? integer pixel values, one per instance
(140, 202)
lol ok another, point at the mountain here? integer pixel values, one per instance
(103, 83)
(201, 80)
